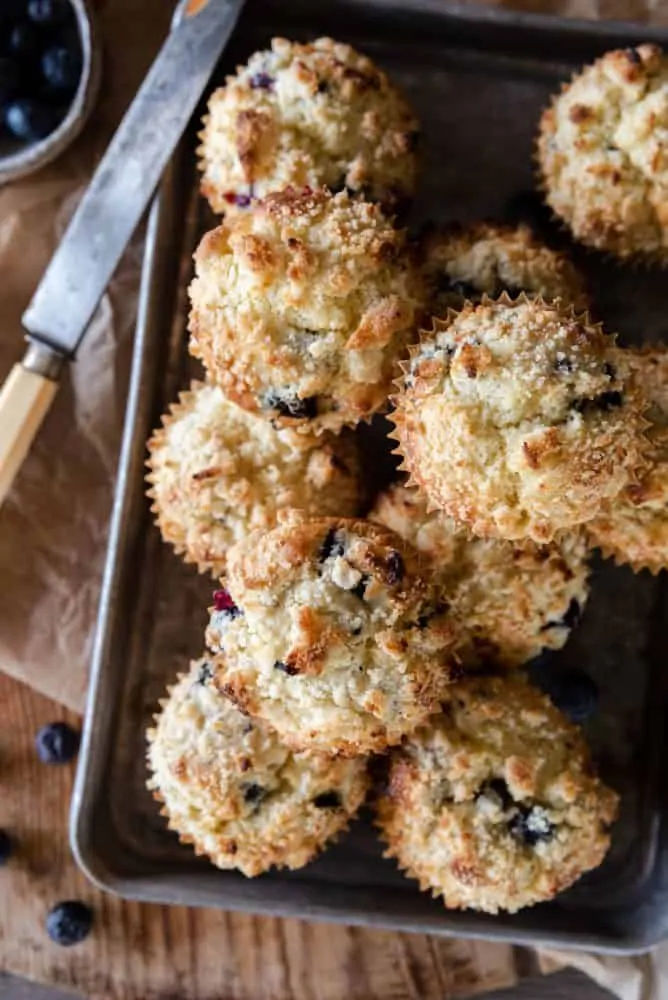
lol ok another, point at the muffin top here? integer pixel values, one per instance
(319, 115)
(603, 153)
(328, 633)
(516, 418)
(218, 472)
(510, 599)
(302, 306)
(495, 805)
(230, 788)
(461, 263)
(634, 527)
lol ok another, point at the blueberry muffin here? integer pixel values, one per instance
(218, 472)
(318, 115)
(634, 527)
(461, 263)
(328, 633)
(238, 795)
(516, 419)
(495, 805)
(510, 599)
(302, 306)
(603, 154)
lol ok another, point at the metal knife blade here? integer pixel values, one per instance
(127, 175)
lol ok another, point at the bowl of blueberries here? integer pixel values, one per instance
(49, 76)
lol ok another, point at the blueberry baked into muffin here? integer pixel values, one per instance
(237, 794)
(510, 599)
(317, 115)
(517, 418)
(328, 633)
(462, 263)
(603, 154)
(218, 472)
(302, 307)
(634, 527)
(494, 805)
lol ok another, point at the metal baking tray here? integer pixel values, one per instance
(479, 79)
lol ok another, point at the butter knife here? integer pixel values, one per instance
(106, 217)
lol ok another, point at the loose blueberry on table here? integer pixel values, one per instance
(40, 66)
(57, 743)
(69, 922)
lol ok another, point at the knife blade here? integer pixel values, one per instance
(106, 217)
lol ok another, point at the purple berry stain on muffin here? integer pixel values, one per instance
(222, 602)
(286, 668)
(262, 81)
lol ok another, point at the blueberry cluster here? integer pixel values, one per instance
(40, 65)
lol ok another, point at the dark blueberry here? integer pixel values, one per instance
(395, 568)
(61, 68)
(609, 370)
(604, 401)
(30, 120)
(6, 847)
(563, 365)
(204, 674)
(49, 12)
(570, 619)
(242, 200)
(9, 79)
(500, 788)
(57, 743)
(292, 406)
(339, 185)
(573, 692)
(530, 826)
(253, 792)
(633, 56)
(223, 602)
(359, 589)
(23, 40)
(285, 668)
(69, 922)
(323, 86)
(328, 800)
(332, 546)
(262, 81)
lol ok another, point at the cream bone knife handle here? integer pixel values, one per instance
(24, 402)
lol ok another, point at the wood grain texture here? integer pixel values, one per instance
(138, 951)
